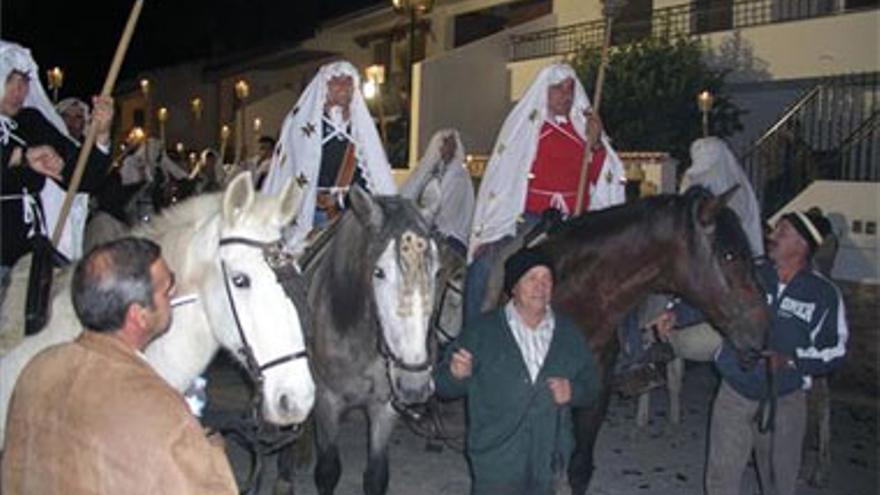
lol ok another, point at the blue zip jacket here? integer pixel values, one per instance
(808, 323)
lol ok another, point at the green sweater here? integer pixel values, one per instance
(512, 422)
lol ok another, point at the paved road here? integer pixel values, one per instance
(661, 459)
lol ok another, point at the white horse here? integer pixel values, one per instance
(216, 246)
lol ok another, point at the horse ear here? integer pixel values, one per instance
(238, 198)
(710, 207)
(291, 200)
(364, 206)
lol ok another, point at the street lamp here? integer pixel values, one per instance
(148, 110)
(55, 79)
(162, 117)
(705, 100)
(375, 77)
(242, 91)
(258, 126)
(412, 8)
(225, 131)
(196, 106)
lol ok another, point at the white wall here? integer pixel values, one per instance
(468, 88)
(843, 203)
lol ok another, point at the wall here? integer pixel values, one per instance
(468, 88)
(843, 203)
(814, 47)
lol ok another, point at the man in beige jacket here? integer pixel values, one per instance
(92, 416)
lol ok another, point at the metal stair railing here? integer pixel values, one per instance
(825, 134)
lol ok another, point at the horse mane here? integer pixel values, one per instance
(183, 225)
(184, 215)
(598, 226)
(354, 251)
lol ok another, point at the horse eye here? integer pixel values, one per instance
(379, 273)
(728, 256)
(241, 281)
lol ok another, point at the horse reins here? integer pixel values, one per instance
(255, 369)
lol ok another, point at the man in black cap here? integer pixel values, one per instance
(521, 367)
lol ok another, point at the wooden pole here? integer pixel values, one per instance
(597, 102)
(86, 149)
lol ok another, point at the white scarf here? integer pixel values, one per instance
(298, 152)
(714, 167)
(502, 195)
(18, 58)
(447, 200)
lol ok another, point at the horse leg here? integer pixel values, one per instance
(819, 431)
(674, 378)
(586, 428)
(328, 468)
(382, 418)
(643, 409)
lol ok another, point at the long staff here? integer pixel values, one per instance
(609, 9)
(89, 143)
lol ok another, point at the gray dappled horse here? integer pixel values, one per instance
(371, 293)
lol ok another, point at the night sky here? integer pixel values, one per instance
(81, 36)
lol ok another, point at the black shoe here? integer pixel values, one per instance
(639, 379)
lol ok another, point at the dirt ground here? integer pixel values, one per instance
(661, 459)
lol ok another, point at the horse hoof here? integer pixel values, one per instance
(283, 487)
(818, 480)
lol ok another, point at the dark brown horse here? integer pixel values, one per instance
(607, 262)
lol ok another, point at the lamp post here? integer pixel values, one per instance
(242, 91)
(225, 131)
(196, 106)
(258, 126)
(145, 92)
(375, 77)
(55, 79)
(705, 100)
(411, 8)
(162, 117)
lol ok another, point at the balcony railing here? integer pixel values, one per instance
(689, 19)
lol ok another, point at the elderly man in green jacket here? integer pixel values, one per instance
(522, 367)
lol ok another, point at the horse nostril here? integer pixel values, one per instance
(284, 403)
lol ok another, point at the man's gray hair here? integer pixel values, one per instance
(112, 277)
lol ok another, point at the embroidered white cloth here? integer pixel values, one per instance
(444, 192)
(714, 167)
(502, 196)
(18, 58)
(298, 152)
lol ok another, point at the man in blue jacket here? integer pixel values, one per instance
(807, 339)
(521, 367)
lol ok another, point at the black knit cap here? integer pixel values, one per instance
(522, 261)
(811, 225)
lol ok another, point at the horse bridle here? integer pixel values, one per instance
(274, 255)
(392, 359)
(253, 433)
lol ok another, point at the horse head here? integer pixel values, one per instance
(249, 310)
(404, 263)
(719, 274)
